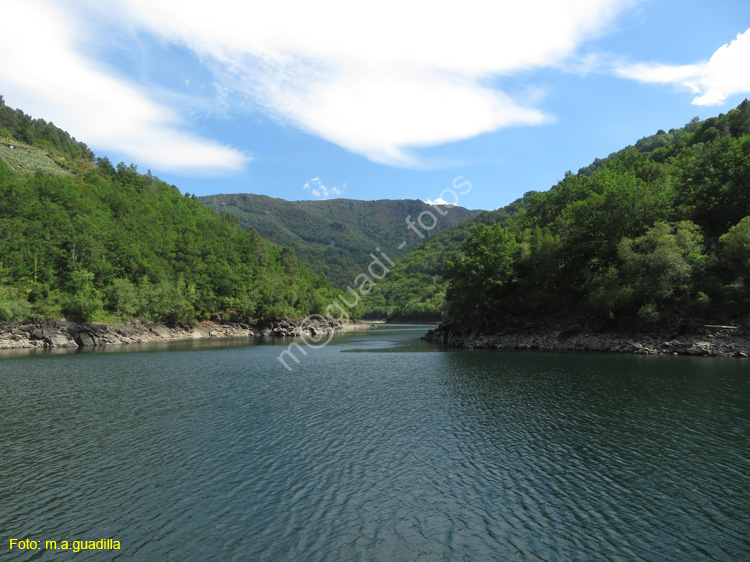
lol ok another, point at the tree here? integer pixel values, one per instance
(289, 261)
(713, 186)
(84, 303)
(655, 272)
(735, 251)
(478, 275)
(735, 260)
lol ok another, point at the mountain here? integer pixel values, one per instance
(658, 229)
(87, 240)
(335, 237)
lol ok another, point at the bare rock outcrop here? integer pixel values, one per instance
(62, 333)
(682, 339)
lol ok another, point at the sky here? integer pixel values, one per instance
(378, 100)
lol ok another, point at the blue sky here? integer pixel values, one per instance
(309, 100)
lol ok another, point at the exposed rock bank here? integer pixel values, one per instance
(61, 333)
(684, 339)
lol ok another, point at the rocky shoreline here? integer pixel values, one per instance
(682, 339)
(62, 333)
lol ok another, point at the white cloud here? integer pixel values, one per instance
(43, 71)
(379, 79)
(725, 74)
(320, 191)
(439, 201)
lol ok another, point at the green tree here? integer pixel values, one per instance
(121, 297)
(713, 184)
(655, 272)
(13, 307)
(83, 305)
(735, 261)
(477, 277)
(735, 251)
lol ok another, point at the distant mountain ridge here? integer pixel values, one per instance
(414, 290)
(334, 237)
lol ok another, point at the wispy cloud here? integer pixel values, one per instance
(317, 189)
(725, 74)
(386, 79)
(51, 77)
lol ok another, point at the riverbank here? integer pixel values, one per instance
(678, 339)
(62, 333)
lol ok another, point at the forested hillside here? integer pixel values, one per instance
(104, 242)
(332, 237)
(17, 127)
(656, 231)
(414, 290)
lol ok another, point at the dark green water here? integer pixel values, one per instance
(375, 447)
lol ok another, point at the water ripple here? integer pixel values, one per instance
(219, 454)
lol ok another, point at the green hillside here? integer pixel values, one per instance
(24, 158)
(668, 168)
(657, 231)
(414, 290)
(87, 240)
(332, 237)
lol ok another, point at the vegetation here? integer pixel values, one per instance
(332, 237)
(656, 230)
(105, 242)
(661, 229)
(25, 159)
(414, 290)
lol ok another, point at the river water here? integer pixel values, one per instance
(377, 446)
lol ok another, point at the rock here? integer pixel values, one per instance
(83, 339)
(161, 331)
(580, 337)
(699, 348)
(59, 340)
(60, 333)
